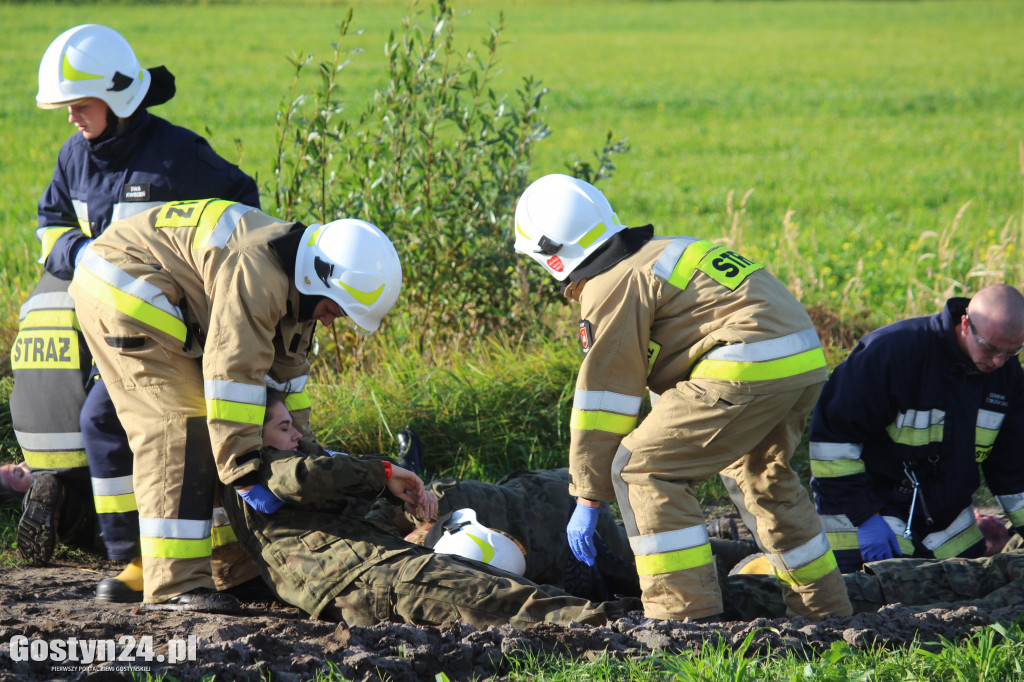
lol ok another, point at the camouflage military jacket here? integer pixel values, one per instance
(315, 545)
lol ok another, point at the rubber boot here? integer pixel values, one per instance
(126, 587)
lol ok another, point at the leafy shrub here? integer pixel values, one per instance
(437, 160)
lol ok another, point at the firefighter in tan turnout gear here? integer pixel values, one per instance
(734, 367)
(192, 309)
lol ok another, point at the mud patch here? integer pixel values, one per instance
(272, 640)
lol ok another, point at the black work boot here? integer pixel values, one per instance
(410, 451)
(37, 529)
(723, 528)
(201, 600)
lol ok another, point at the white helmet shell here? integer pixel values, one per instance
(355, 264)
(560, 220)
(92, 61)
(464, 536)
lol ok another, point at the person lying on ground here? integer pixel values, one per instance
(339, 567)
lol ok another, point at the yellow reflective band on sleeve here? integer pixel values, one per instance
(172, 548)
(760, 371)
(682, 273)
(912, 436)
(243, 413)
(45, 349)
(68, 459)
(297, 401)
(132, 307)
(50, 237)
(843, 540)
(115, 504)
(808, 573)
(208, 223)
(670, 562)
(836, 467)
(222, 535)
(960, 542)
(49, 319)
(598, 420)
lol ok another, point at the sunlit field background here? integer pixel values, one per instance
(869, 153)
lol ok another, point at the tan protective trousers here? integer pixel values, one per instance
(698, 429)
(159, 399)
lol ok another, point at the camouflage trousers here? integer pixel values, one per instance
(988, 582)
(424, 588)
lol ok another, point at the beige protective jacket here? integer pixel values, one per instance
(652, 319)
(200, 278)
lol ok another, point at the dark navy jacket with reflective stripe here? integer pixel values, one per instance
(149, 164)
(907, 393)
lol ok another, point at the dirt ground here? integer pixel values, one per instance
(270, 640)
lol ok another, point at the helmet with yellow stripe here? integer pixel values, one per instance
(561, 220)
(466, 537)
(92, 61)
(355, 264)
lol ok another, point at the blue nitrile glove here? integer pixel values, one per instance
(261, 499)
(581, 532)
(877, 541)
(80, 248)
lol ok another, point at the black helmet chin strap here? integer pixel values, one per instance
(548, 247)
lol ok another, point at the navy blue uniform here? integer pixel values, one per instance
(908, 403)
(94, 184)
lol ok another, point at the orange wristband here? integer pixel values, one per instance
(387, 471)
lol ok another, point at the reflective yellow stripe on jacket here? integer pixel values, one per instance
(131, 296)
(604, 411)
(235, 402)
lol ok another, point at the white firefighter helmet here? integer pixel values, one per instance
(355, 264)
(92, 61)
(561, 220)
(466, 537)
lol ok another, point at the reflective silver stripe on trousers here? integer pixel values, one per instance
(669, 540)
(108, 487)
(181, 529)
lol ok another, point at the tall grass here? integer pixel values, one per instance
(863, 126)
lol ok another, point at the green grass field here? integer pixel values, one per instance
(857, 131)
(874, 122)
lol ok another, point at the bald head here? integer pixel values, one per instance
(1000, 309)
(992, 331)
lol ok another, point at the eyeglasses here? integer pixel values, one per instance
(988, 346)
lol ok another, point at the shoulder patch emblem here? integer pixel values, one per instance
(586, 337)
